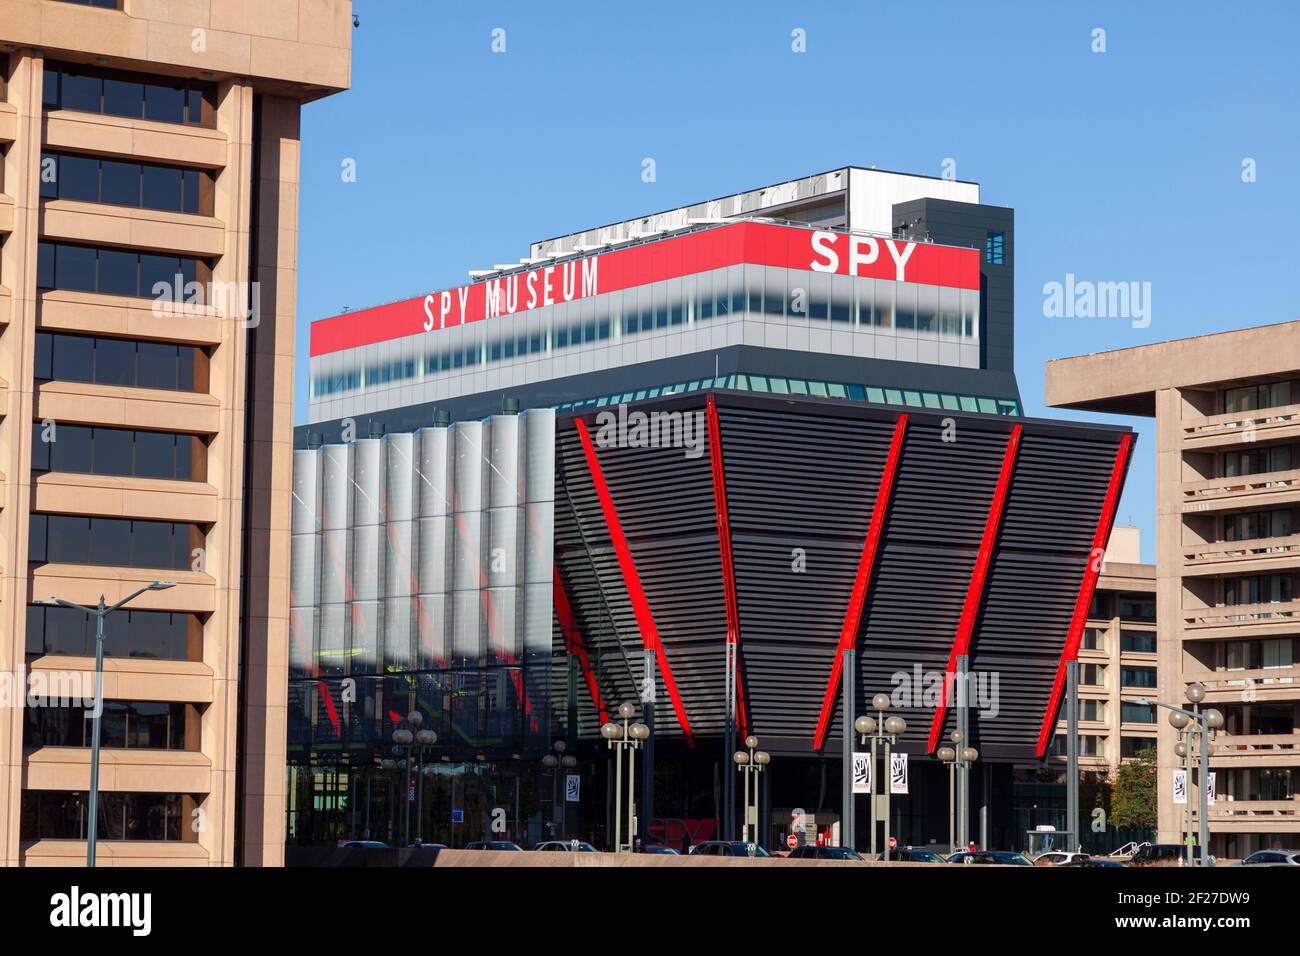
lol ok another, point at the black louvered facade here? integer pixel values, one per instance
(801, 478)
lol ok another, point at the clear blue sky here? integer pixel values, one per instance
(1121, 166)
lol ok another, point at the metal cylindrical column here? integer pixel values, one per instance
(1072, 753)
(849, 680)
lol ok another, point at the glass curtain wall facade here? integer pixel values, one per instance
(757, 305)
(422, 572)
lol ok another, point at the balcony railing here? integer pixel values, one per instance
(1233, 748)
(1235, 425)
(1239, 615)
(1217, 489)
(1259, 679)
(1219, 551)
(1226, 810)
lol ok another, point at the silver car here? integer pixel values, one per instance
(1273, 858)
(565, 846)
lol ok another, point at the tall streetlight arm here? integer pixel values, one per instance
(99, 613)
(151, 586)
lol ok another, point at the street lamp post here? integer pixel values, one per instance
(100, 612)
(880, 729)
(390, 765)
(958, 758)
(424, 738)
(751, 764)
(1196, 727)
(628, 736)
(555, 761)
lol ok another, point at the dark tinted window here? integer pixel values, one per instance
(114, 361)
(112, 451)
(151, 544)
(110, 541)
(114, 725)
(61, 815)
(70, 448)
(118, 93)
(81, 358)
(165, 104)
(121, 183)
(72, 358)
(66, 628)
(156, 271)
(140, 185)
(117, 451)
(77, 177)
(155, 634)
(45, 266)
(123, 98)
(118, 272)
(162, 187)
(80, 92)
(44, 357)
(117, 632)
(74, 267)
(157, 365)
(81, 540)
(190, 191)
(141, 725)
(186, 452)
(67, 539)
(155, 454)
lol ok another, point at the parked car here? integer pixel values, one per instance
(916, 854)
(1058, 858)
(1163, 854)
(727, 848)
(1085, 860)
(660, 849)
(1003, 857)
(565, 846)
(825, 853)
(493, 845)
(1273, 858)
(363, 844)
(427, 846)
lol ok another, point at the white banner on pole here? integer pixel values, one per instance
(897, 773)
(572, 787)
(1180, 786)
(861, 773)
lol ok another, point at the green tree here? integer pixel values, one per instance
(1133, 801)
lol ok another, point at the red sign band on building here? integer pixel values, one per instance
(755, 243)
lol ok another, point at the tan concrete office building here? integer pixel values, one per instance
(150, 146)
(1117, 661)
(1227, 412)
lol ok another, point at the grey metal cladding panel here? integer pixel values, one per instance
(800, 472)
(1019, 635)
(665, 503)
(1056, 492)
(589, 569)
(910, 619)
(804, 481)
(1055, 500)
(943, 489)
(936, 520)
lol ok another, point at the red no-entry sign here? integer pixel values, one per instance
(893, 843)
